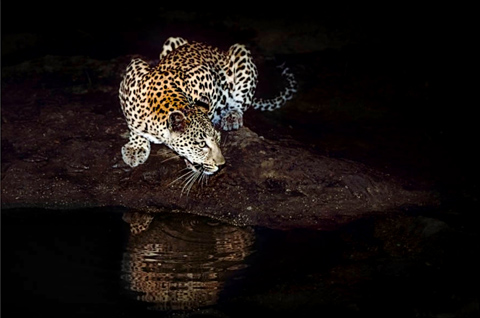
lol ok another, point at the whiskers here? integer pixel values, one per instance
(223, 142)
(174, 156)
(189, 178)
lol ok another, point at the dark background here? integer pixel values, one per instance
(101, 28)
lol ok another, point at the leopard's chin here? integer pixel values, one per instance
(207, 172)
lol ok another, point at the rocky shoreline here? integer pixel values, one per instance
(62, 131)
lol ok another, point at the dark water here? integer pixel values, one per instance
(86, 263)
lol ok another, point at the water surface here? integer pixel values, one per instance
(86, 263)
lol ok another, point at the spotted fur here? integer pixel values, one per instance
(192, 90)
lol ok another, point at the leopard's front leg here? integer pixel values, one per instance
(136, 151)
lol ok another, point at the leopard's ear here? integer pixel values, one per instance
(203, 103)
(177, 122)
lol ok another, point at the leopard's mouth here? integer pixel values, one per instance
(201, 168)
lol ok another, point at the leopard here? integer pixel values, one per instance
(186, 100)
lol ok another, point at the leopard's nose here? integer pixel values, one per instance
(219, 160)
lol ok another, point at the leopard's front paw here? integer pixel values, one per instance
(232, 121)
(135, 155)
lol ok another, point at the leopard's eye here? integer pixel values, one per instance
(202, 144)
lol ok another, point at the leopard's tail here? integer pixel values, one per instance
(285, 95)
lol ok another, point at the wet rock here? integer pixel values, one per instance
(61, 141)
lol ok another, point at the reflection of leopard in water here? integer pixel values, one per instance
(138, 221)
(182, 261)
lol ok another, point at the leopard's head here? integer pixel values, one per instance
(193, 137)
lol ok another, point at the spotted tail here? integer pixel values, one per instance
(285, 95)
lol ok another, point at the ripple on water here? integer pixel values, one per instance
(182, 263)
